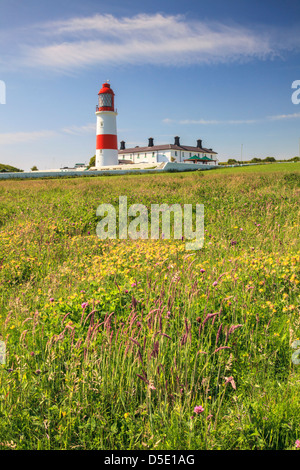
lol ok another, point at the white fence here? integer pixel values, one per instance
(168, 167)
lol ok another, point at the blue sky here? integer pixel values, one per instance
(217, 70)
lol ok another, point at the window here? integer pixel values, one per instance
(175, 153)
(105, 100)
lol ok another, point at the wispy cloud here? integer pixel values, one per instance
(79, 130)
(9, 138)
(24, 137)
(282, 117)
(143, 39)
(278, 117)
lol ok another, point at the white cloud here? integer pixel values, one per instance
(144, 39)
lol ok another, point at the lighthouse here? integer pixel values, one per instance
(106, 133)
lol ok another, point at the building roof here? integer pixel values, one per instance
(195, 157)
(205, 158)
(155, 148)
(106, 89)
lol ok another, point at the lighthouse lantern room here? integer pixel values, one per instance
(106, 139)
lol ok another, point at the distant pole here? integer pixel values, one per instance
(242, 153)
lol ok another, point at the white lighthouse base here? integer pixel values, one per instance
(106, 157)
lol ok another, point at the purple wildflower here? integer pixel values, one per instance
(221, 347)
(234, 327)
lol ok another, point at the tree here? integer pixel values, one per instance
(270, 159)
(34, 168)
(255, 160)
(231, 161)
(92, 161)
(9, 168)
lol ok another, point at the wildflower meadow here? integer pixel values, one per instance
(142, 344)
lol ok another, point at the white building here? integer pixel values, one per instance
(167, 153)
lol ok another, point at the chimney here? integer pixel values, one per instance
(150, 143)
(177, 140)
(199, 143)
(122, 147)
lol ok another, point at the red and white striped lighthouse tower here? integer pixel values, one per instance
(106, 139)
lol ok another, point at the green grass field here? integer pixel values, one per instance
(140, 344)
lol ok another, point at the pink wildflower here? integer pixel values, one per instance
(297, 443)
(231, 381)
(198, 409)
(84, 304)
